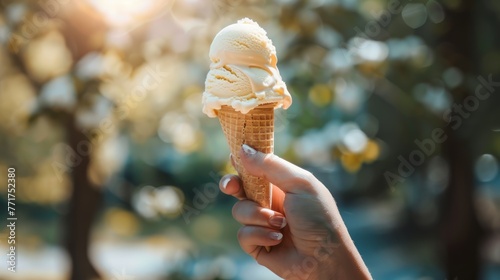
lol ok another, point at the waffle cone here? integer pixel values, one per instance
(256, 129)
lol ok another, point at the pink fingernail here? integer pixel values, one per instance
(225, 181)
(277, 221)
(276, 235)
(248, 150)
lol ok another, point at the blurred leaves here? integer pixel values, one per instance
(47, 57)
(18, 101)
(142, 81)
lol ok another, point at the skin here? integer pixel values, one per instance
(306, 233)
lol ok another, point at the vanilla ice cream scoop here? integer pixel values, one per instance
(243, 73)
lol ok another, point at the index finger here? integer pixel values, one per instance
(281, 173)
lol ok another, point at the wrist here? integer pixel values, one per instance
(341, 259)
(334, 259)
(348, 261)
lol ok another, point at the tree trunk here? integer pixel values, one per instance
(461, 232)
(83, 207)
(80, 24)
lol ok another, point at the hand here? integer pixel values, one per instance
(309, 238)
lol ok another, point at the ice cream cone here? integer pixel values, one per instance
(256, 129)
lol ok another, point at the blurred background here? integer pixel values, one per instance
(395, 110)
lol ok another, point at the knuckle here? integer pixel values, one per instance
(260, 260)
(303, 178)
(307, 175)
(267, 159)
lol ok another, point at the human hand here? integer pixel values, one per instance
(309, 238)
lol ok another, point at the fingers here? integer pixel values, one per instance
(252, 238)
(278, 198)
(231, 185)
(247, 212)
(281, 173)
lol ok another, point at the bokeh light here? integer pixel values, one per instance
(121, 222)
(486, 168)
(50, 47)
(164, 201)
(18, 102)
(414, 15)
(125, 12)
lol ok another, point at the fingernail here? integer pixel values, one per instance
(231, 158)
(277, 221)
(276, 235)
(248, 150)
(225, 181)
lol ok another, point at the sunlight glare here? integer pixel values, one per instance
(124, 12)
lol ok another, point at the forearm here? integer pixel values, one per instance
(347, 264)
(352, 265)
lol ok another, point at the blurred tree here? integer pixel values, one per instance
(84, 32)
(461, 232)
(462, 47)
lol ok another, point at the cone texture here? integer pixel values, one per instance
(256, 129)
